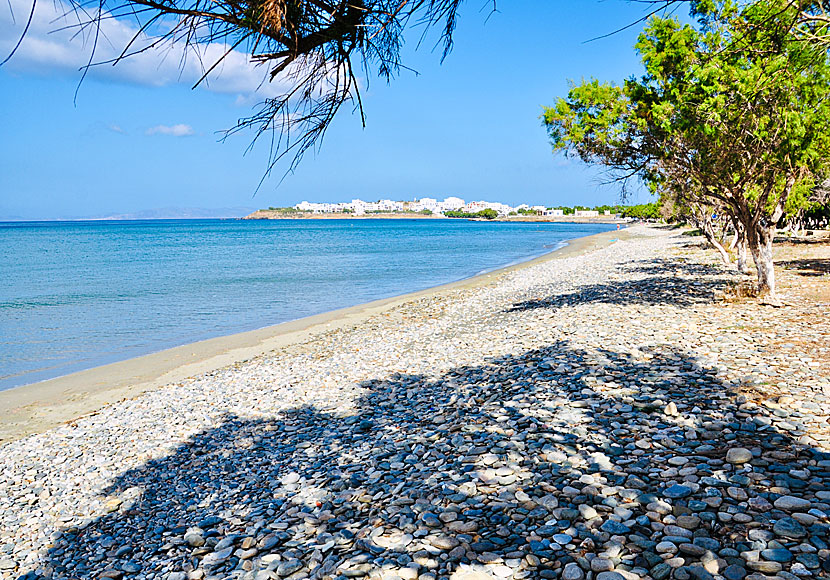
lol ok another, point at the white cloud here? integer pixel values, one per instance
(51, 47)
(116, 129)
(180, 130)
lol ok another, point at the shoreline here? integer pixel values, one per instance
(37, 407)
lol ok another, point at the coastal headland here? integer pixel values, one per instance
(611, 411)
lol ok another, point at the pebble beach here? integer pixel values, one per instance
(605, 415)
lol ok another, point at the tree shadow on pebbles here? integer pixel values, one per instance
(808, 267)
(662, 286)
(675, 266)
(553, 463)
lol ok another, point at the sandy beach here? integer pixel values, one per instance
(40, 406)
(600, 413)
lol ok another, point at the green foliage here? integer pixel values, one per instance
(426, 212)
(646, 211)
(733, 111)
(818, 214)
(286, 210)
(565, 210)
(489, 214)
(799, 199)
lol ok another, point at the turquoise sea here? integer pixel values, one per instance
(74, 295)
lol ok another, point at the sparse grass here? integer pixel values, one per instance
(739, 292)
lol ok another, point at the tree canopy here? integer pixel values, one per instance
(732, 112)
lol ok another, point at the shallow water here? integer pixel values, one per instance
(74, 295)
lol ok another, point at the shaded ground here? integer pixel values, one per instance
(528, 462)
(667, 282)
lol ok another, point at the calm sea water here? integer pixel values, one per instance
(74, 295)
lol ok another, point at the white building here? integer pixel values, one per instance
(317, 207)
(586, 213)
(388, 205)
(358, 206)
(477, 206)
(452, 203)
(554, 212)
(425, 203)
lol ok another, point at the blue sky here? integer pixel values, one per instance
(137, 137)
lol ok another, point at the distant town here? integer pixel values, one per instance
(457, 207)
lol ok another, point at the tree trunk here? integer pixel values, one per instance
(703, 217)
(739, 245)
(740, 253)
(759, 238)
(712, 238)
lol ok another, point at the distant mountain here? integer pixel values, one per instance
(166, 213)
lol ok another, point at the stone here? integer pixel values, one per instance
(562, 539)
(707, 543)
(289, 567)
(444, 542)
(215, 558)
(610, 576)
(601, 564)
(734, 572)
(572, 571)
(615, 528)
(738, 455)
(194, 538)
(666, 548)
(587, 512)
(699, 572)
(209, 522)
(777, 555)
(688, 522)
(467, 573)
(765, 567)
(759, 504)
(789, 528)
(661, 571)
(677, 491)
(791, 503)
